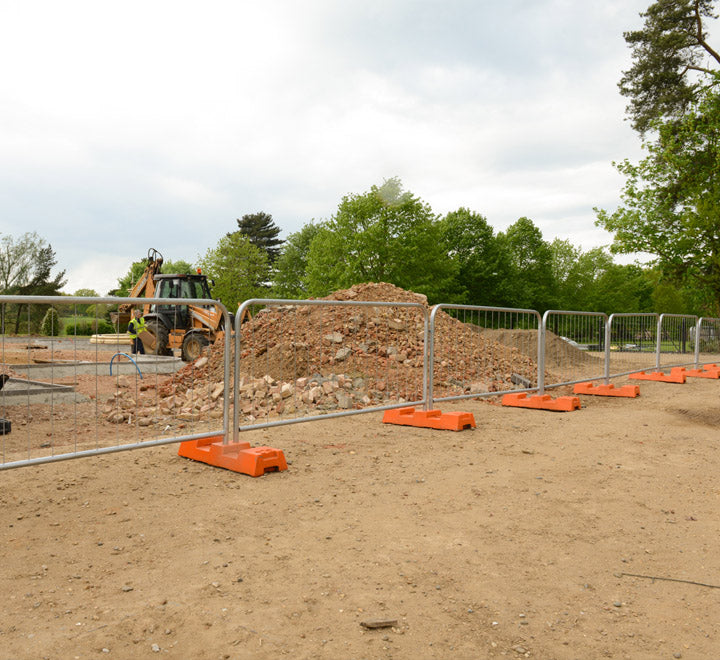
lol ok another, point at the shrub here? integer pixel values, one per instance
(87, 328)
(51, 325)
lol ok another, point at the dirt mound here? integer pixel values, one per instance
(559, 352)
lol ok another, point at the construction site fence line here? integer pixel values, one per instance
(460, 352)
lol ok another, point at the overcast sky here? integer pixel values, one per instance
(126, 126)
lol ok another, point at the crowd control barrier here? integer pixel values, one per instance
(574, 346)
(480, 351)
(305, 360)
(674, 345)
(632, 339)
(66, 394)
(705, 340)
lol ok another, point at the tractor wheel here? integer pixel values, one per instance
(193, 346)
(159, 331)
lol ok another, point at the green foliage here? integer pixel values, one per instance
(26, 269)
(51, 325)
(179, 267)
(384, 235)
(238, 268)
(620, 289)
(82, 309)
(98, 311)
(85, 327)
(127, 281)
(671, 200)
(483, 263)
(291, 266)
(669, 55)
(263, 233)
(531, 266)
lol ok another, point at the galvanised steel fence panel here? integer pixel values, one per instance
(478, 351)
(705, 340)
(632, 343)
(575, 348)
(64, 397)
(674, 346)
(304, 360)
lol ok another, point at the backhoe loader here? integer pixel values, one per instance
(189, 328)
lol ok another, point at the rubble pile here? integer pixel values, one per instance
(304, 359)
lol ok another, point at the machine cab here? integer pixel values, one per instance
(179, 286)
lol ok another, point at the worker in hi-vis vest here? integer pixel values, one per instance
(135, 327)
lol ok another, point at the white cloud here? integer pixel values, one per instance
(124, 127)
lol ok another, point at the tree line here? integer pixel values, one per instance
(387, 234)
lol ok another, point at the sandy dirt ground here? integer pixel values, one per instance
(588, 534)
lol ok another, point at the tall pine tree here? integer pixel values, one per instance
(262, 232)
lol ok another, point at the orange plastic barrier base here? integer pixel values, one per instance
(676, 375)
(430, 419)
(235, 456)
(629, 391)
(542, 402)
(705, 372)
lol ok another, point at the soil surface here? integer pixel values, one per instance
(588, 534)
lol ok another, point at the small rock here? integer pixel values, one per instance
(343, 354)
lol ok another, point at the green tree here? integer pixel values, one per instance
(532, 280)
(483, 266)
(81, 310)
(621, 289)
(26, 266)
(291, 266)
(671, 199)
(238, 269)
(383, 235)
(579, 275)
(51, 325)
(263, 233)
(671, 61)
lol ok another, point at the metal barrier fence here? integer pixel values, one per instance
(574, 348)
(674, 348)
(480, 351)
(705, 340)
(303, 360)
(632, 339)
(63, 397)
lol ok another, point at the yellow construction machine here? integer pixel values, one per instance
(189, 328)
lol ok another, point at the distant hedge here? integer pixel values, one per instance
(87, 328)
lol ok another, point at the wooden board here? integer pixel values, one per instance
(147, 339)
